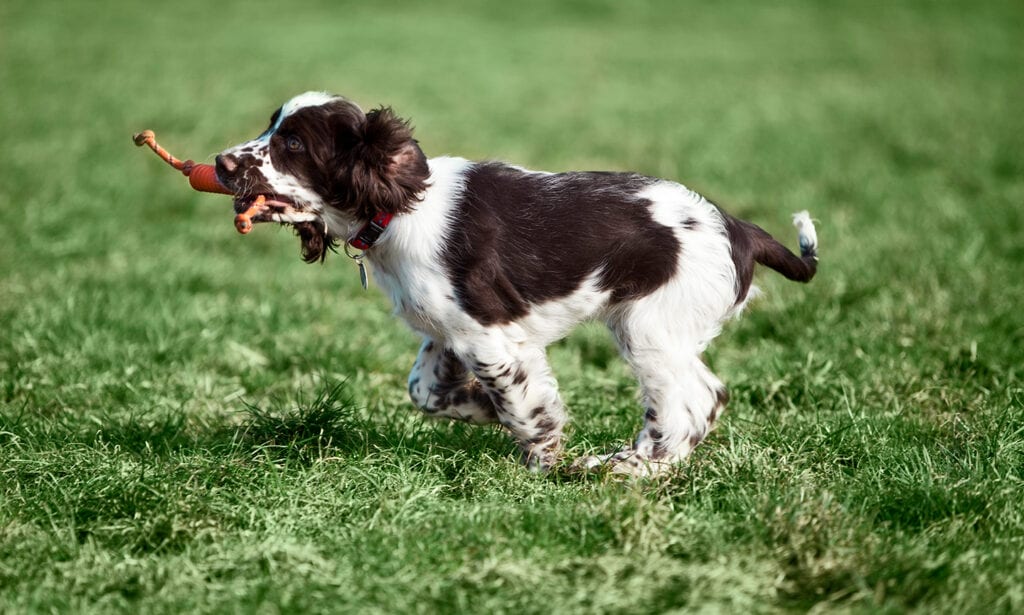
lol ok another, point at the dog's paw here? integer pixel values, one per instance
(590, 463)
(626, 463)
(541, 457)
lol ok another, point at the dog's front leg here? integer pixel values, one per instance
(524, 395)
(442, 387)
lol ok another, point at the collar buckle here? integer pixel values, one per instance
(371, 232)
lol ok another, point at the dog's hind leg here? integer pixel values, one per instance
(681, 397)
(681, 406)
(442, 387)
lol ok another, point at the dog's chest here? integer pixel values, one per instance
(422, 297)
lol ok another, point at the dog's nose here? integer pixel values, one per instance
(226, 164)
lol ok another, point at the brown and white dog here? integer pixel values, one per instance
(491, 263)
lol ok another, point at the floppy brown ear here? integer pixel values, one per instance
(389, 171)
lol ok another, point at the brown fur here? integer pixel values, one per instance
(386, 170)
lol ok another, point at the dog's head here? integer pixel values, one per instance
(324, 166)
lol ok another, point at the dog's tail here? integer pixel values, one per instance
(770, 253)
(751, 243)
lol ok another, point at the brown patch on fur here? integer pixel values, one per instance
(526, 238)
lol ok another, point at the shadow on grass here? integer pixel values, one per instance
(159, 483)
(297, 430)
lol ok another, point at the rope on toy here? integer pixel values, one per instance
(202, 177)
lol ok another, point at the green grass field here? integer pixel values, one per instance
(196, 421)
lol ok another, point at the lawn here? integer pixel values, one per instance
(196, 421)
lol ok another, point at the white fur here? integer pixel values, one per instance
(404, 262)
(307, 99)
(808, 235)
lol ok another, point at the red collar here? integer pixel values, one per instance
(371, 232)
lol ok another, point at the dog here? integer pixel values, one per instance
(491, 263)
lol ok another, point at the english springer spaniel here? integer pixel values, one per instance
(491, 263)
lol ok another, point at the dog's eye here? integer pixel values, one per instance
(294, 144)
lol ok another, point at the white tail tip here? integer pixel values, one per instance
(808, 236)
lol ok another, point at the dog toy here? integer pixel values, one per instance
(202, 177)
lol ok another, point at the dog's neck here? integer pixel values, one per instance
(429, 215)
(418, 234)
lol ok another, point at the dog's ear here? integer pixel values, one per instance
(389, 171)
(315, 241)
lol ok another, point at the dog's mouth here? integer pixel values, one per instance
(268, 207)
(309, 226)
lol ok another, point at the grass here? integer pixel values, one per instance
(195, 421)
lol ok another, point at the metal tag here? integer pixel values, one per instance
(362, 273)
(358, 258)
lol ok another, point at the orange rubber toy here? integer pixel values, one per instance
(202, 177)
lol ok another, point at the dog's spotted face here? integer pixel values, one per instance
(323, 165)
